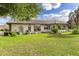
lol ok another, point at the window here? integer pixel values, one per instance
(64, 27)
(46, 27)
(54, 26)
(29, 28)
(59, 27)
(37, 28)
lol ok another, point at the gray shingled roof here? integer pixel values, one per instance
(37, 22)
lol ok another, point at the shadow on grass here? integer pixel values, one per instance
(61, 36)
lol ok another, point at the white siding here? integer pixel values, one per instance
(42, 28)
(32, 28)
(15, 28)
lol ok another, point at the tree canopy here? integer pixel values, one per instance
(21, 11)
(71, 22)
(74, 19)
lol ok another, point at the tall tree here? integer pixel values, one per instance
(77, 17)
(74, 19)
(71, 22)
(21, 11)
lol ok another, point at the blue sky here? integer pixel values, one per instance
(59, 11)
(3, 20)
(63, 6)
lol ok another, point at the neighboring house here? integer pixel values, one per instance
(4, 27)
(34, 26)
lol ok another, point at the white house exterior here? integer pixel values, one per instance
(34, 26)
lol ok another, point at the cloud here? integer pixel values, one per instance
(62, 16)
(50, 6)
(65, 12)
(75, 8)
(56, 15)
(47, 6)
(3, 20)
(56, 5)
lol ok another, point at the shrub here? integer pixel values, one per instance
(75, 31)
(13, 34)
(18, 33)
(1, 29)
(27, 31)
(54, 30)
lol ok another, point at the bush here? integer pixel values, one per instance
(13, 34)
(75, 31)
(27, 31)
(1, 29)
(18, 33)
(54, 30)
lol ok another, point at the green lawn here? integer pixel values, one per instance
(40, 44)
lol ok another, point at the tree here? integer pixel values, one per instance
(71, 22)
(21, 11)
(74, 19)
(77, 17)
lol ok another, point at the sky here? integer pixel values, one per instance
(58, 11)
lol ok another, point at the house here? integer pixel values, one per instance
(34, 26)
(4, 27)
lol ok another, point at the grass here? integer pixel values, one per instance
(67, 33)
(40, 45)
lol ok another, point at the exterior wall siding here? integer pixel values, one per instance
(42, 28)
(16, 28)
(32, 28)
